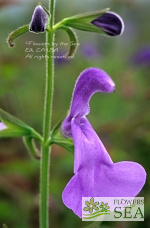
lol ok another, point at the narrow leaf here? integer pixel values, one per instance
(12, 130)
(12, 119)
(83, 21)
(64, 142)
(18, 32)
(88, 15)
(11, 126)
(31, 147)
(73, 40)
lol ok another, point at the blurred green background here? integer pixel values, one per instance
(121, 119)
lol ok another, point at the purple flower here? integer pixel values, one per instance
(95, 173)
(2, 126)
(110, 22)
(39, 19)
(90, 81)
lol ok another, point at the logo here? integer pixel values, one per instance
(112, 208)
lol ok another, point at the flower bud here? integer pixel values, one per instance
(39, 19)
(110, 22)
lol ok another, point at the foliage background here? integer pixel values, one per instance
(122, 119)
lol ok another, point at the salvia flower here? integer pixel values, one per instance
(110, 22)
(39, 19)
(95, 173)
(90, 81)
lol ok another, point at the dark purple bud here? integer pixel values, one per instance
(110, 22)
(39, 19)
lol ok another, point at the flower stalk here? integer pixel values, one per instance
(46, 150)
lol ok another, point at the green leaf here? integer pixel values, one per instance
(73, 40)
(83, 21)
(31, 147)
(18, 32)
(13, 130)
(14, 127)
(59, 139)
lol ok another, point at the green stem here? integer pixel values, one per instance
(45, 160)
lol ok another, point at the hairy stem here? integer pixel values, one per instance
(46, 150)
